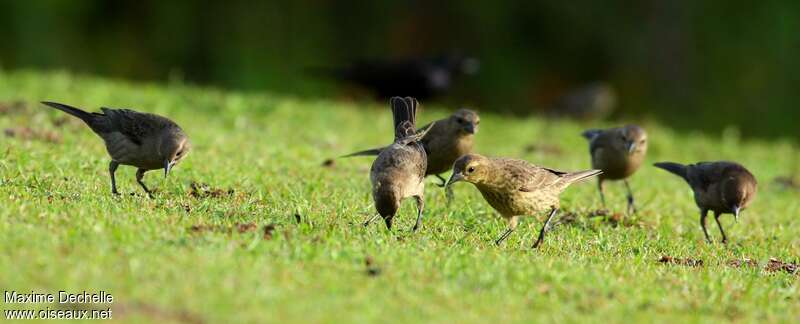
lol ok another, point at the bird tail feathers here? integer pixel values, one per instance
(88, 118)
(404, 111)
(674, 168)
(581, 175)
(591, 133)
(369, 152)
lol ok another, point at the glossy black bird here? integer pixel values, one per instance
(422, 78)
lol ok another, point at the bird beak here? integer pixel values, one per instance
(736, 210)
(167, 167)
(470, 129)
(456, 177)
(631, 147)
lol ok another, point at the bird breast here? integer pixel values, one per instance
(517, 203)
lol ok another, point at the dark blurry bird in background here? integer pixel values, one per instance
(447, 140)
(618, 152)
(399, 170)
(516, 188)
(721, 187)
(146, 141)
(422, 78)
(595, 100)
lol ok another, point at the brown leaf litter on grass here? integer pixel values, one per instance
(240, 228)
(30, 134)
(742, 263)
(789, 182)
(329, 163)
(546, 149)
(681, 261)
(156, 312)
(775, 265)
(202, 190)
(268, 229)
(611, 218)
(12, 107)
(372, 270)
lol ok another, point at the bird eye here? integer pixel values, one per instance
(470, 169)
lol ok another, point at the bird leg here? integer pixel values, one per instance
(631, 204)
(388, 221)
(112, 168)
(716, 218)
(370, 220)
(544, 227)
(444, 181)
(139, 176)
(703, 214)
(420, 207)
(512, 225)
(602, 196)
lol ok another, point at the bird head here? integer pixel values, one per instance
(174, 147)
(471, 168)
(737, 191)
(466, 121)
(633, 139)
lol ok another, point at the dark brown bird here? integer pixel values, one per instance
(146, 141)
(592, 101)
(721, 187)
(448, 139)
(516, 188)
(398, 171)
(618, 152)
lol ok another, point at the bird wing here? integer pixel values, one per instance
(600, 139)
(528, 177)
(703, 174)
(134, 125)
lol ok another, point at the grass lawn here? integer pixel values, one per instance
(202, 254)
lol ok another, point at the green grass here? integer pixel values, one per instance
(174, 258)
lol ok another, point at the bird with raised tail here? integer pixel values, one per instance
(516, 188)
(447, 140)
(722, 187)
(399, 170)
(146, 141)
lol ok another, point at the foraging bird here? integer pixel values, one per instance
(422, 78)
(146, 141)
(515, 187)
(447, 140)
(618, 152)
(592, 101)
(722, 187)
(398, 171)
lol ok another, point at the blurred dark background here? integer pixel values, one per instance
(689, 64)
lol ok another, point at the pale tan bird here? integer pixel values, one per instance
(146, 141)
(618, 152)
(722, 187)
(447, 140)
(516, 188)
(399, 170)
